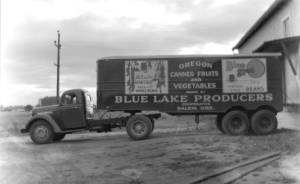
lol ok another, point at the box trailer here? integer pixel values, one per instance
(244, 91)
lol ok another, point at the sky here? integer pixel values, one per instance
(91, 29)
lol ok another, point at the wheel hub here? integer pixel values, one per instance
(236, 123)
(138, 127)
(265, 123)
(41, 132)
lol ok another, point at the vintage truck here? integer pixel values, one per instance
(244, 91)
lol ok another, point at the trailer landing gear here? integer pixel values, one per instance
(197, 120)
(218, 123)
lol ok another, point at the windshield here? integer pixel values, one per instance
(88, 99)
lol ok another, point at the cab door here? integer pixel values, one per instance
(72, 112)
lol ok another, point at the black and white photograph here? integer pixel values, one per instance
(150, 92)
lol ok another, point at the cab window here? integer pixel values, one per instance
(74, 101)
(70, 99)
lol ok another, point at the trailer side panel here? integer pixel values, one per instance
(189, 85)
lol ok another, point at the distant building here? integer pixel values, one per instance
(20, 110)
(278, 30)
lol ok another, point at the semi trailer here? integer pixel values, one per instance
(243, 91)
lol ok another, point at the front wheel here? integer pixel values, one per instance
(139, 127)
(41, 132)
(264, 122)
(235, 123)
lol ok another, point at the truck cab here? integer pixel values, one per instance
(75, 107)
(51, 123)
(75, 113)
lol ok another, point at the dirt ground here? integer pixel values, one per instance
(168, 156)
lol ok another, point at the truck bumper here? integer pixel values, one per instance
(24, 131)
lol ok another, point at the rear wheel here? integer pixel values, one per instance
(41, 132)
(264, 122)
(235, 123)
(218, 123)
(139, 127)
(58, 137)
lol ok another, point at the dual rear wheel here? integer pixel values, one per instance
(264, 122)
(236, 122)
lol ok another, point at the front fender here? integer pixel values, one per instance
(45, 117)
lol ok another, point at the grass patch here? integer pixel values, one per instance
(191, 157)
(284, 180)
(12, 122)
(288, 180)
(190, 160)
(214, 149)
(255, 174)
(281, 140)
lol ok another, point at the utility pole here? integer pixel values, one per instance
(58, 66)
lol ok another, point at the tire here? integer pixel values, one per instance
(235, 123)
(218, 123)
(41, 132)
(264, 122)
(139, 127)
(58, 137)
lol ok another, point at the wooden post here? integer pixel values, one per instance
(58, 66)
(291, 63)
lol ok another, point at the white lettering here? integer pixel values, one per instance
(197, 97)
(126, 100)
(165, 99)
(260, 97)
(251, 97)
(206, 98)
(216, 98)
(135, 99)
(203, 99)
(243, 98)
(144, 99)
(155, 100)
(225, 98)
(269, 97)
(195, 64)
(182, 74)
(118, 99)
(183, 98)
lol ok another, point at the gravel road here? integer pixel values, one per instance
(166, 157)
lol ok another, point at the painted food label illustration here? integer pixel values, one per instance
(244, 75)
(146, 77)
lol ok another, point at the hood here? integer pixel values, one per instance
(45, 108)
